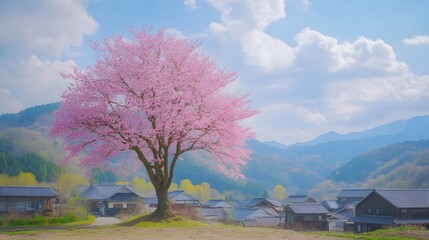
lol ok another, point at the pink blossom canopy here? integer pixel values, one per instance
(153, 93)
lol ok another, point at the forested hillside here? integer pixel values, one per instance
(401, 165)
(43, 170)
(329, 163)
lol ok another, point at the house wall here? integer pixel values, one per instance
(413, 212)
(305, 221)
(374, 204)
(23, 204)
(262, 222)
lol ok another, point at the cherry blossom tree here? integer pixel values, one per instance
(157, 96)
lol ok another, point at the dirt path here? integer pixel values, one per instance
(102, 221)
(131, 233)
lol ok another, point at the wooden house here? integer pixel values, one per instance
(216, 210)
(26, 199)
(109, 200)
(299, 199)
(384, 208)
(351, 196)
(271, 205)
(302, 216)
(180, 202)
(254, 217)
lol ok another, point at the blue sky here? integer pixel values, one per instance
(309, 66)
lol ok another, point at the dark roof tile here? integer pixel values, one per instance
(26, 191)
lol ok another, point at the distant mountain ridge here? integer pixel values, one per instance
(37, 118)
(298, 167)
(410, 129)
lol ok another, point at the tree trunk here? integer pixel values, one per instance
(163, 210)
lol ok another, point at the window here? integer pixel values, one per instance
(116, 205)
(310, 218)
(403, 210)
(377, 211)
(369, 210)
(3, 206)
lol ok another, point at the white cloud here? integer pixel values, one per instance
(8, 102)
(46, 28)
(317, 49)
(36, 38)
(191, 4)
(245, 21)
(217, 27)
(417, 40)
(33, 81)
(266, 52)
(365, 97)
(249, 14)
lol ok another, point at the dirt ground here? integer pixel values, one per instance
(130, 233)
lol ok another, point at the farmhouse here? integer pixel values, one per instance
(252, 217)
(306, 216)
(352, 196)
(27, 199)
(384, 208)
(216, 210)
(299, 199)
(179, 200)
(272, 206)
(109, 200)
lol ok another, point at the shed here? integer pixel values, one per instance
(306, 216)
(26, 199)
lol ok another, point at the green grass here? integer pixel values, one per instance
(400, 233)
(69, 219)
(176, 222)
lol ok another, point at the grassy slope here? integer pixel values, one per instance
(188, 229)
(401, 233)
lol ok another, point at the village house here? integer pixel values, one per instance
(384, 208)
(306, 216)
(352, 196)
(254, 217)
(180, 202)
(216, 210)
(342, 210)
(299, 199)
(274, 207)
(28, 199)
(109, 200)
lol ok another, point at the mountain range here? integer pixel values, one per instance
(341, 159)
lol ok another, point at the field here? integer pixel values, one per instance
(164, 233)
(195, 230)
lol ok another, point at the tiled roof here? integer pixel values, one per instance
(298, 199)
(178, 195)
(374, 219)
(256, 201)
(354, 193)
(239, 214)
(21, 191)
(236, 203)
(406, 198)
(331, 204)
(150, 200)
(99, 192)
(174, 194)
(213, 202)
(124, 197)
(307, 208)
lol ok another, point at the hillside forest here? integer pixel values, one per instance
(395, 155)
